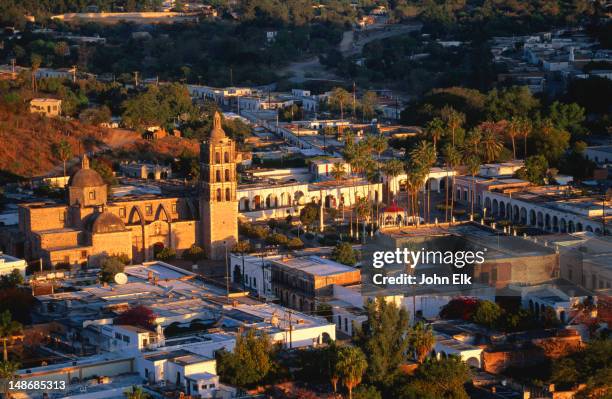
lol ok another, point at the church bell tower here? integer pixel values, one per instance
(218, 183)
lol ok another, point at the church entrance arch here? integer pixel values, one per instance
(157, 248)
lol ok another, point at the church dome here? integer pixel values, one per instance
(86, 178)
(106, 222)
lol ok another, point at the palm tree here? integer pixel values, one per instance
(136, 393)
(424, 154)
(471, 145)
(339, 97)
(435, 130)
(378, 144)
(351, 366)
(35, 61)
(491, 145)
(525, 129)
(421, 339)
(392, 169)
(513, 130)
(349, 155)
(63, 151)
(454, 120)
(415, 174)
(338, 171)
(473, 165)
(452, 158)
(362, 210)
(8, 328)
(332, 358)
(8, 372)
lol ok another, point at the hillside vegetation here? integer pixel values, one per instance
(28, 143)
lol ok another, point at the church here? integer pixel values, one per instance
(91, 225)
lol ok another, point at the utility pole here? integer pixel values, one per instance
(74, 71)
(227, 290)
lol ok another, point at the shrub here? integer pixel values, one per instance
(295, 243)
(109, 266)
(194, 253)
(345, 254)
(277, 239)
(166, 254)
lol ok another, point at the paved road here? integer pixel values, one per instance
(311, 68)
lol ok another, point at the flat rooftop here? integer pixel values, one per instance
(315, 265)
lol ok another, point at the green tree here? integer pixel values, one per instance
(473, 166)
(382, 337)
(250, 361)
(105, 170)
(550, 141)
(96, 116)
(8, 329)
(421, 340)
(351, 366)
(8, 371)
(136, 393)
(435, 130)
(534, 170)
(242, 247)
(338, 171)
(366, 392)
(166, 254)
(11, 280)
(491, 143)
(568, 117)
(454, 121)
(277, 239)
(338, 100)
(109, 267)
(345, 254)
(63, 151)
(392, 169)
(61, 49)
(509, 102)
(424, 156)
(369, 101)
(309, 214)
(487, 314)
(295, 243)
(452, 159)
(443, 378)
(575, 163)
(35, 61)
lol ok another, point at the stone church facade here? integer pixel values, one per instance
(91, 225)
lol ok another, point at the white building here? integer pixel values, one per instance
(9, 263)
(253, 272)
(550, 208)
(284, 326)
(601, 154)
(561, 297)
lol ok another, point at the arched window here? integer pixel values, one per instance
(219, 194)
(228, 194)
(226, 157)
(217, 157)
(218, 176)
(227, 175)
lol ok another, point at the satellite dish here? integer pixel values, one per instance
(121, 278)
